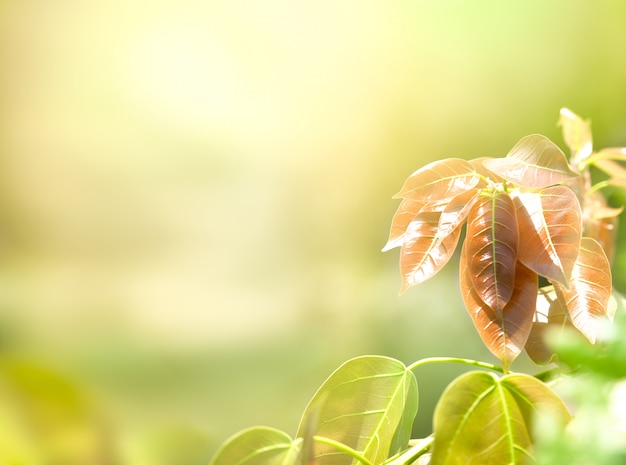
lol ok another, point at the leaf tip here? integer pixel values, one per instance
(389, 245)
(506, 363)
(406, 285)
(567, 113)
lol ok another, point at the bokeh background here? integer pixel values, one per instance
(194, 195)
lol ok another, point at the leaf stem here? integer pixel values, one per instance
(463, 361)
(412, 453)
(484, 178)
(548, 375)
(597, 187)
(342, 448)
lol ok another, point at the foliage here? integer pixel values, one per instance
(491, 417)
(525, 214)
(531, 218)
(46, 418)
(597, 433)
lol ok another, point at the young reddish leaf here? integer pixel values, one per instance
(618, 182)
(550, 223)
(505, 332)
(550, 314)
(617, 174)
(456, 211)
(439, 180)
(479, 166)
(587, 300)
(613, 153)
(534, 162)
(492, 243)
(603, 230)
(424, 251)
(407, 211)
(610, 167)
(604, 212)
(601, 222)
(577, 135)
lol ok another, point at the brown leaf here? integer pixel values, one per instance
(603, 230)
(424, 251)
(587, 300)
(442, 179)
(492, 244)
(550, 223)
(456, 211)
(534, 162)
(505, 332)
(601, 222)
(407, 211)
(478, 164)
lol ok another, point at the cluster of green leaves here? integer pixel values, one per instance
(597, 394)
(530, 214)
(365, 410)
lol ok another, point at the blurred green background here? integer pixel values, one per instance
(194, 195)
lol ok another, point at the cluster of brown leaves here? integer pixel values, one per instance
(530, 214)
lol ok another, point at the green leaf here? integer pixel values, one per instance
(534, 162)
(442, 179)
(259, 446)
(482, 419)
(369, 404)
(534, 397)
(607, 359)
